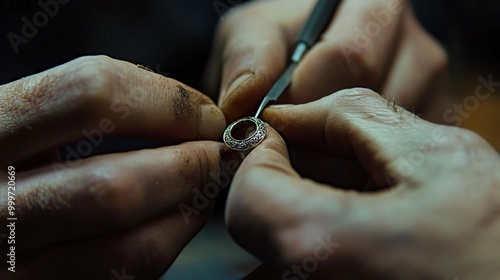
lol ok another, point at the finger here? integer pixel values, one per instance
(366, 66)
(273, 213)
(266, 176)
(93, 96)
(253, 53)
(145, 252)
(356, 50)
(263, 176)
(108, 193)
(359, 124)
(428, 94)
(277, 215)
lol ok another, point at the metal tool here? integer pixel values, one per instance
(314, 27)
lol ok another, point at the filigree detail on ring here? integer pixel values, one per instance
(250, 142)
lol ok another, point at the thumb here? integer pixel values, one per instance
(254, 58)
(253, 53)
(276, 215)
(360, 124)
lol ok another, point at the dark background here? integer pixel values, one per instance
(174, 37)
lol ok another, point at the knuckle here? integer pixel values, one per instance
(112, 191)
(86, 82)
(352, 97)
(467, 138)
(235, 14)
(354, 94)
(429, 51)
(231, 19)
(356, 66)
(350, 105)
(195, 163)
(440, 59)
(239, 16)
(92, 79)
(155, 255)
(466, 144)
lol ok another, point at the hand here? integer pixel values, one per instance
(434, 216)
(84, 219)
(376, 44)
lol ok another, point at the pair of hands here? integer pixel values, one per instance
(121, 210)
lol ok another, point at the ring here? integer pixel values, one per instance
(250, 142)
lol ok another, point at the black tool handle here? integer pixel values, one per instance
(317, 22)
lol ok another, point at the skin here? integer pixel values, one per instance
(121, 210)
(392, 190)
(111, 211)
(434, 214)
(397, 59)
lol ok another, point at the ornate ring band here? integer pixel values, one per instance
(250, 142)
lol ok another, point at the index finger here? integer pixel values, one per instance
(357, 50)
(94, 96)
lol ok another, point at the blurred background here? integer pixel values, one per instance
(174, 37)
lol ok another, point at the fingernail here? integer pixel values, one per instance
(233, 86)
(211, 122)
(278, 106)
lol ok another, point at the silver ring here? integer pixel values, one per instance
(250, 142)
